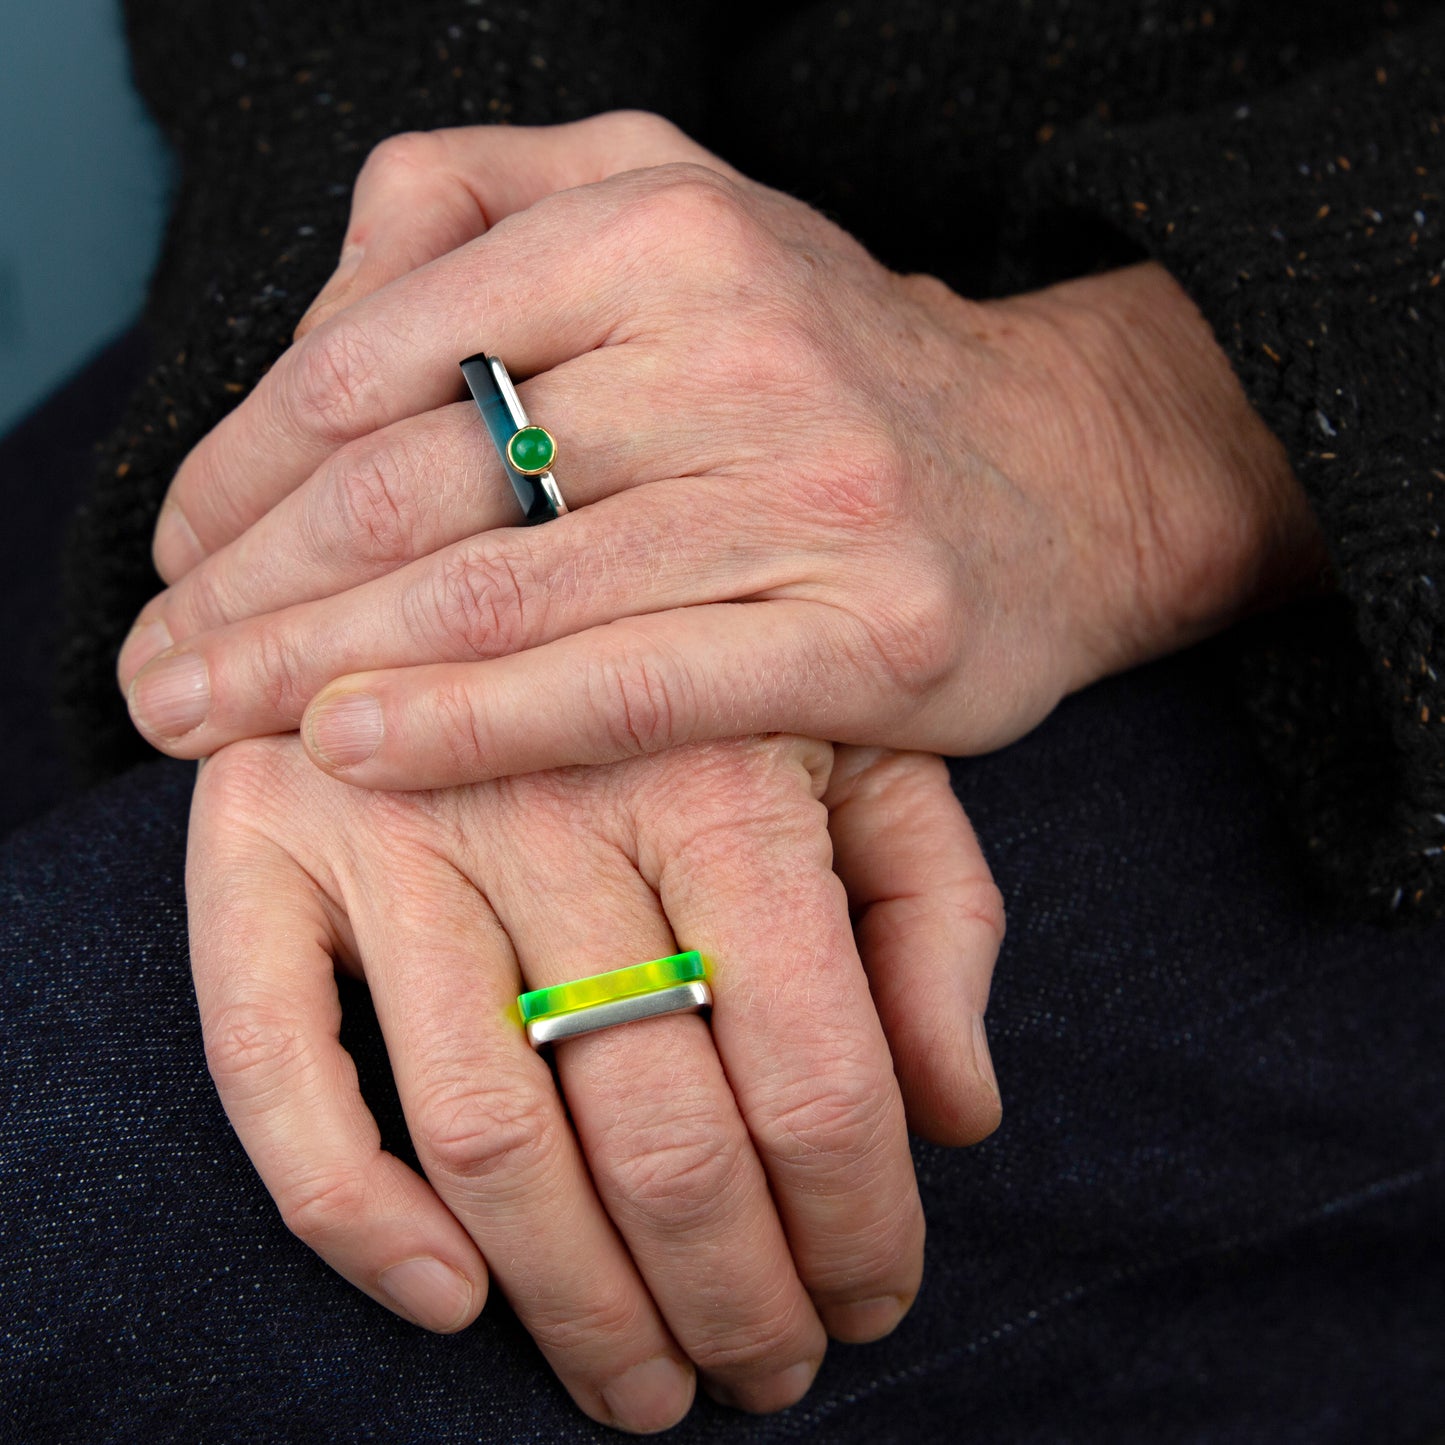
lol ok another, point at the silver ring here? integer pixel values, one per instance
(681, 998)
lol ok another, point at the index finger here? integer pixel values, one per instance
(539, 288)
(421, 194)
(266, 991)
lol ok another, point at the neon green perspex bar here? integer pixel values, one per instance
(563, 998)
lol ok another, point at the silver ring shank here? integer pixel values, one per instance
(678, 998)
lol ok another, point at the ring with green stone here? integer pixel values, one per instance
(532, 450)
(676, 984)
(527, 451)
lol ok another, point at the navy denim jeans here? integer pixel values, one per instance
(1213, 1212)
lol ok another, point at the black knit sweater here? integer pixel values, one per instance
(1290, 174)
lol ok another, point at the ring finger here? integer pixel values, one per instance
(740, 856)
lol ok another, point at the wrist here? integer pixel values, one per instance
(1195, 511)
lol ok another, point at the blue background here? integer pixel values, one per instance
(85, 180)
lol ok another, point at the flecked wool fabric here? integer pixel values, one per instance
(1289, 170)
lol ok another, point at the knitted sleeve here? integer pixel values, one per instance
(1308, 225)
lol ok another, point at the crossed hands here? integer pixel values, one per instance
(809, 498)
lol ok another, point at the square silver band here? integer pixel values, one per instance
(677, 998)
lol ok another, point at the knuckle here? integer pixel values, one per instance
(332, 385)
(239, 786)
(914, 635)
(324, 1208)
(723, 780)
(675, 1176)
(830, 1123)
(479, 599)
(739, 809)
(281, 687)
(457, 731)
(638, 702)
(752, 1347)
(781, 347)
(202, 599)
(863, 484)
(253, 1048)
(877, 481)
(373, 506)
(983, 903)
(698, 213)
(563, 1325)
(503, 1135)
(407, 150)
(885, 1258)
(636, 130)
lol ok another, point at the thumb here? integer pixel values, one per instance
(421, 194)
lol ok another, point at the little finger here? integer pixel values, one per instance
(929, 921)
(742, 869)
(266, 988)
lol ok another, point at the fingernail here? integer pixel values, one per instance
(789, 1386)
(345, 730)
(176, 548)
(346, 264)
(431, 1292)
(650, 1396)
(982, 1059)
(148, 640)
(171, 695)
(863, 1320)
(777, 1392)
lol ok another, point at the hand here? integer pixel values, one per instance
(939, 516)
(721, 1195)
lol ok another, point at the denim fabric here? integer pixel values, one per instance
(1212, 1214)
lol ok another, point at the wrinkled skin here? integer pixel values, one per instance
(721, 1197)
(808, 494)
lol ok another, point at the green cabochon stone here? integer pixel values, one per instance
(531, 450)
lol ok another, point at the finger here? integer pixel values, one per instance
(422, 484)
(929, 921)
(491, 1133)
(665, 1143)
(554, 282)
(630, 688)
(496, 593)
(423, 193)
(743, 872)
(269, 1011)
